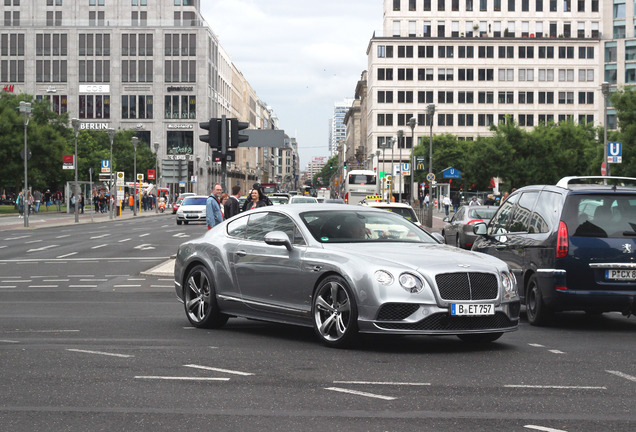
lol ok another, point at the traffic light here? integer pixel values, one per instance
(213, 138)
(235, 127)
(345, 165)
(388, 181)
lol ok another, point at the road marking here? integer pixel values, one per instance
(82, 286)
(181, 235)
(359, 393)
(136, 279)
(33, 241)
(115, 275)
(126, 286)
(16, 281)
(100, 353)
(144, 235)
(555, 387)
(124, 240)
(145, 247)
(67, 255)
(99, 236)
(218, 370)
(43, 286)
(62, 236)
(556, 352)
(537, 345)
(36, 260)
(181, 378)
(42, 248)
(8, 341)
(160, 286)
(8, 286)
(17, 238)
(622, 375)
(41, 331)
(544, 429)
(99, 246)
(382, 383)
(2, 247)
(93, 280)
(55, 280)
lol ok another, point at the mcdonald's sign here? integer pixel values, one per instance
(420, 163)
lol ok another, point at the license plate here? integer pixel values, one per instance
(620, 274)
(472, 309)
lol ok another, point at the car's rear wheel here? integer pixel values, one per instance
(335, 313)
(480, 338)
(199, 299)
(536, 310)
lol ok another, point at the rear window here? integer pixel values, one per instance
(598, 215)
(361, 179)
(482, 213)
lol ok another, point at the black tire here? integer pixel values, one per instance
(178, 222)
(335, 313)
(199, 299)
(536, 310)
(480, 338)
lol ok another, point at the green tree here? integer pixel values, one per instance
(328, 170)
(624, 100)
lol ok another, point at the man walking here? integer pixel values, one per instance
(231, 206)
(213, 215)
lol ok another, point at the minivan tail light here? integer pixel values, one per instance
(346, 198)
(563, 241)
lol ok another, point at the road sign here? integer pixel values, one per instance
(603, 169)
(406, 169)
(120, 178)
(140, 177)
(151, 174)
(105, 166)
(614, 152)
(67, 162)
(430, 177)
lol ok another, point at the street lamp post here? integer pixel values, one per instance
(400, 135)
(393, 140)
(412, 124)
(111, 198)
(76, 124)
(430, 110)
(25, 109)
(196, 174)
(156, 144)
(605, 89)
(135, 141)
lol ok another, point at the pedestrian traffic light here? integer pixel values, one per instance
(345, 165)
(213, 138)
(235, 127)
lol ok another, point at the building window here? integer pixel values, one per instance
(136, 107)
(94, 106)
(57, 103)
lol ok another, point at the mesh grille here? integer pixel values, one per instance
(396, 311)
(467, 286)
(443, 321)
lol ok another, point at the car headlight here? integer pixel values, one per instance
(383, 277)
(509, 285)
(411, 283)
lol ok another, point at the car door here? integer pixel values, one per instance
(518, 241)
(452, 230)
(496, 238)
(271, 278)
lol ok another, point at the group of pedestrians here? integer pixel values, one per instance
(33, 202)
(221, 206)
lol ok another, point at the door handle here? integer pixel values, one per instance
(241, 253)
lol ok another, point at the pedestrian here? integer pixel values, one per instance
(81, 203)
(420, 199)
(37, 200)
(213, 215)
(447, 203)
(20, 203)
(427, 200)
(474, 202)
(58, 200)
(131, 202)
(490, 200)
(96, 202)
(505, 196)
(261, 193)
(47, 199)
(222, 201)
(255, 200)
(232, 203)
(456, 200)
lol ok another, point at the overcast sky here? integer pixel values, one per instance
(299, 56)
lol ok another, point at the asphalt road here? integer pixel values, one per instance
(90, 341)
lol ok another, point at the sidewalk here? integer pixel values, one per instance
(53, 218)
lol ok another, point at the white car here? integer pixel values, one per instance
(302, 199)
(192, 209)
(404, 210)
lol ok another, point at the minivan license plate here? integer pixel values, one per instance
(472, 309)
(619, 274)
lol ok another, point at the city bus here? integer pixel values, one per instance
(359, 184)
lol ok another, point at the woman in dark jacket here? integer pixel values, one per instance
(256, 200)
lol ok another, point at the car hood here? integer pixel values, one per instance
(419, 256)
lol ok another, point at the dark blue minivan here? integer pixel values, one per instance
(571, 246)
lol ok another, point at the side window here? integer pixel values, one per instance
(546, 212)
(256, 227)
(262, 223)
(523, 212)
(280, 222)
(236, 228)
(459, 215)
(499, 222)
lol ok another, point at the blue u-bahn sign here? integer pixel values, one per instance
(451, 173)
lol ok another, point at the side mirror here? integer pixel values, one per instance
(438, 237)
(480, 228)
(278, 238)
(446, 219)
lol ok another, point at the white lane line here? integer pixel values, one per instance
(537, 345)
(42, 248)
(144, 235)
(100, 246)
(55, 280)
(556, 352)
(115, 275)
(124, 240)
(33, 241)
(100, 353)
(17, 238)
(93, 280)
(555, 387)
(160, 286)
(136, 279)
(8, 286)
(543, 428)
(218, 370)
(126, 286)
(622, 375)
(80, 276)
(99, 236)
(41, 331)
(181, 378)
(43, 286)
(67, 255)
(82, 286)
(8, 341)
(15, 281)
(62, 236)
(382, 383)
(359, 393)
(2, 247)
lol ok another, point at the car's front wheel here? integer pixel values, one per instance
(199, 299)
(178, 222)
(537, 311)
(480, 338)
(335, 312)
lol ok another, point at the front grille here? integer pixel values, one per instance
(467, 286)
(445, 322)
(396, 311)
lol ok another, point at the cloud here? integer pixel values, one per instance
(299, 56)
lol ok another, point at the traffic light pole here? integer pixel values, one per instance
(224, 133)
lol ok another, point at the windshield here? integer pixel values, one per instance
(362, 227)
(361, 179)
(303, 200)
(599, 215)
(194, 201)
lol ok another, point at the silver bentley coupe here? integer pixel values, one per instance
(343, 270)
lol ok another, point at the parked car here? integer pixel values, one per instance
(459, 229)
(404, 210)
(192, 209)
(302, 199)
(343, 270)
(571, 246)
